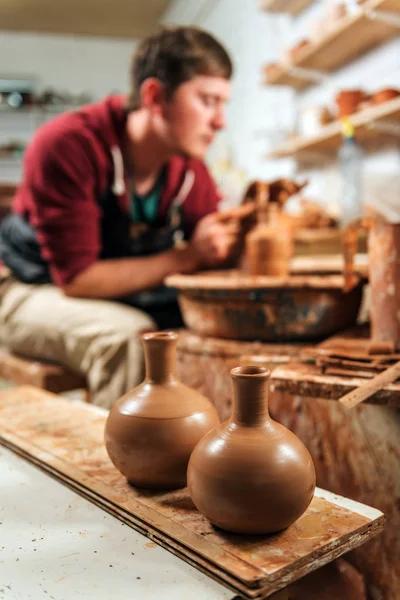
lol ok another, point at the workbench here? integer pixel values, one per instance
(355, 452)
(57, 545)
(69, 547)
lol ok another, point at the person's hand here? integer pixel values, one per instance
(214, 239)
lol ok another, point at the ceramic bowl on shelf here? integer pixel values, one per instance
(385, 95)
(348, 101)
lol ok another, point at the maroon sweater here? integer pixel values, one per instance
(69, 165)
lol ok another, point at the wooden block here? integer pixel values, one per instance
(50, 377)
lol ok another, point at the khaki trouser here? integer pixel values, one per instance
(97, 338)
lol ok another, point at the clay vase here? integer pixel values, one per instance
(347, 101)
(270, 245)
(385, 95)
(250, 474)
(151, 431)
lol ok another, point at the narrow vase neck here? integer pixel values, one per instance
(160, 356)
(250, 395)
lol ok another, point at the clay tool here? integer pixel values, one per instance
(366, 390)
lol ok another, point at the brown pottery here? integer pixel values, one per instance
(152, 430)
(250, 474)
(385, 95)
(348, 101)
(270, 245)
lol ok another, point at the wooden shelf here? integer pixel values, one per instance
(352, 36)
(367, 123)
(293, 7)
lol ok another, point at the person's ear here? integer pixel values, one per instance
(152, 94)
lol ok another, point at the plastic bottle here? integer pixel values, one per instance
(350, 160)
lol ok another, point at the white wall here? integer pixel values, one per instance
(72, 64)
(75, 64)
(259, 115)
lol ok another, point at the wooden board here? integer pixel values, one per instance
(300, 379)
(330, 137)
(293, 7)
(350, 37)
(328, 264)
(311, 377)
(66, 440)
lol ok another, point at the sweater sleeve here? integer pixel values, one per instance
(60, 193)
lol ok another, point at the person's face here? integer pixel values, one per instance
(194, 114)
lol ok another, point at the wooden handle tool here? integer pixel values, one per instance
(366, 390)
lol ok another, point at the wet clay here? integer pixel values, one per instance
(250, 474)
(270, 245)
(151, 431)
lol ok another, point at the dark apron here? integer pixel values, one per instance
(122, 238)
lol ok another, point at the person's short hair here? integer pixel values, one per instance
(175, 55)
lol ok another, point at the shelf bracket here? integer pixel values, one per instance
(385, 16)
(389, 127)
(308, 74)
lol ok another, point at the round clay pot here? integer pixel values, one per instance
(151, 431)
(347, 101)
(250, 474)
(384, 95)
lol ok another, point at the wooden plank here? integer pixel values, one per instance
(352, 36)
(307, 380)
(67, 440)
(293, 7)
(48, 376)
(366, 390)
(328, 264)
(329, 138)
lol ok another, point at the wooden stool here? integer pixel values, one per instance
(47, 376)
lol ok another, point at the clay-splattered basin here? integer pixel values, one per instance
(232, 305)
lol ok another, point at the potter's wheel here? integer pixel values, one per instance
(234, 305)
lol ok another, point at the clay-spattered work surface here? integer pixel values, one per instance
(67, 441)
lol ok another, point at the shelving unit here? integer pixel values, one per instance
(18, 125)
(376, 22)
(293, 7)
(384, 118)
(39, 110)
